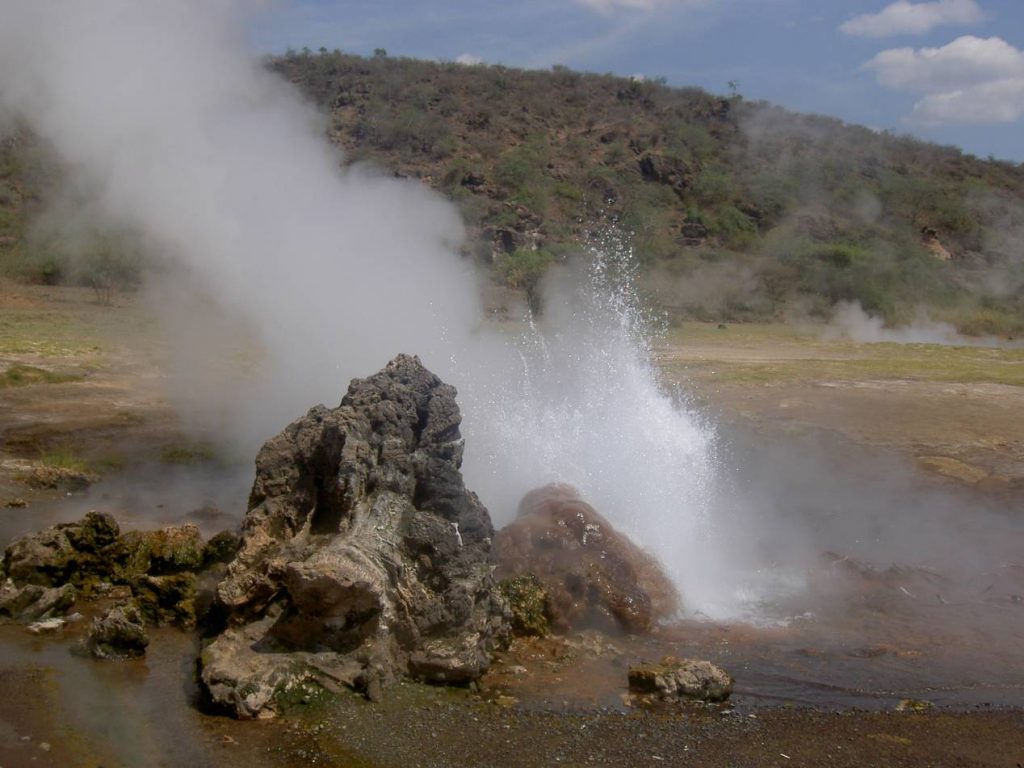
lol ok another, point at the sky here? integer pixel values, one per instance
(950, 71)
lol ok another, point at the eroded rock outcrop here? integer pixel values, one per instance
(363, 555)
(593, 575)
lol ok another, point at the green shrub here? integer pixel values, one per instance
(524, 269)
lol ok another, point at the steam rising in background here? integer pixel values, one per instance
(851, 321)
(174, 132)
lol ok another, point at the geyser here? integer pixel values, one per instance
(575, 399)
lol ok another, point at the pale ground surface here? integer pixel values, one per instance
(958, 411)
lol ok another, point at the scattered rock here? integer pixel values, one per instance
(693, 233)
(16, 503)
(118, 634)
(363, 555)
(675, 679)
(931, 243)
(913, 705)
(32, 602)
(593, 575)
(954, 469)
(46, 477)
(531, 613)
(664, 169)
(46, 626)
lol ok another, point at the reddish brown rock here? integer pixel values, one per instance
(594, 576)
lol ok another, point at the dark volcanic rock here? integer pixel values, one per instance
(363, 555)
(160, 567)
(593, 575)
(118, 634)
(65, 552)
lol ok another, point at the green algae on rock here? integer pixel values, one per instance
(531, 612)
(46, 571)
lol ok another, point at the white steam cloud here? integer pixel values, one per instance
(178, 134)
(849, 320)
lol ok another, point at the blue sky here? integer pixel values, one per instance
(950, 71)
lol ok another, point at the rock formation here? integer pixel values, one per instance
(363, 555)
(593, 575)
(47, 570)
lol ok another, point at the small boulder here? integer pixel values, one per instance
(118, 634)
(171, 550)
(221, 549)
(46, 626)
(593, 575)
(678, 679)
(46, 477)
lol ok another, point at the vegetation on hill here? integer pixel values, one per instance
(737, 210)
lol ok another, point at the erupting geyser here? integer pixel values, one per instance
(575, 399)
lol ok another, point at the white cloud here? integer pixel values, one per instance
(997, 102)
(906, 18)
(970, 80)
(968, 60)
(468, 59)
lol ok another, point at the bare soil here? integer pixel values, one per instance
(958, 412)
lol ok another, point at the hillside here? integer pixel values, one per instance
(737, 210)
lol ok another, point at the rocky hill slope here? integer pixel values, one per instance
(737, 210)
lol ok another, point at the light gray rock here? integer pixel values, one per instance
(363, 555)
(118, 634)
(681, 679)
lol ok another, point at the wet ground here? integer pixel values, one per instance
(60, 710)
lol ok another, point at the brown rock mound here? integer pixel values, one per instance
(594, 576)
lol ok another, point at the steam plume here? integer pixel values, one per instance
(176, 132)
(852, 322)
